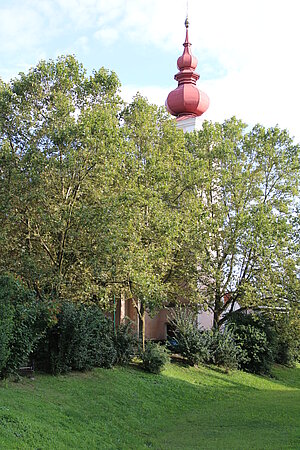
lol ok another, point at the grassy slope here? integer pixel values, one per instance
(184, 408)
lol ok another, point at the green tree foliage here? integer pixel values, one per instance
(59, 131)
(247, 184)
(148, 227)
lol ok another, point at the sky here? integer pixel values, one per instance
(248, 52)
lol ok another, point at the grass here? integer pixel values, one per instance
(184, 408)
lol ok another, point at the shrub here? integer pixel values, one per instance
(203, 346)
(125, 343)
(288, 336)
(256, 337)
(258, 358)
(190, 342)
(223, 349)
(30, 323)
(265, 340)
(23, 325)
(81, 339)
(6, 330)
(154, 357)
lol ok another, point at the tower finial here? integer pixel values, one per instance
(187, 23)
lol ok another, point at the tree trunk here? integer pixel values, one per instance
(217, 312)
(216, 320)
(142, 315)
(122, 306)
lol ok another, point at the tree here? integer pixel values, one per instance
(247, 182)
(58, 133)
(148, 227)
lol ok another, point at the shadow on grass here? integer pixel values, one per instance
(281, 378)
(183, 408)
(288, 376)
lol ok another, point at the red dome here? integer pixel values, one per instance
(187, 99)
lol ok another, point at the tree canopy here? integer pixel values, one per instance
(248, 183)
(59, 129)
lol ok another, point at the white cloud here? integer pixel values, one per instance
(107, 36)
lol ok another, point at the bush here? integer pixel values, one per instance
(256, 337)
(223, 349)
(125, 343)
(6, 330)
(265, 340)
(22, 326)
(288, 336)
(190, 342)
(203, 346)
(81, 339)
(154, 357)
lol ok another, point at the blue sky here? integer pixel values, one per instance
(248, 52)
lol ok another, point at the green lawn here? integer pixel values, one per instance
(184, 408)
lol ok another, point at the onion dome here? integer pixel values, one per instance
(187, 99)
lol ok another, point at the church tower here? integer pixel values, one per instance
(187, 102)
